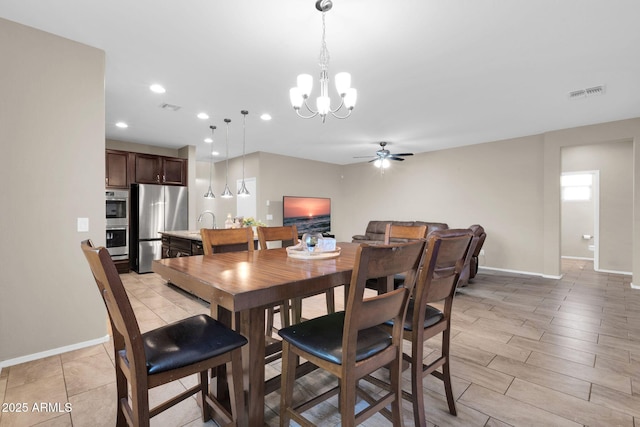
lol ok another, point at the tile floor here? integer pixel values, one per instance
(526, 351)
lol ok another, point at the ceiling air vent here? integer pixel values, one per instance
(170, 107)
(590, 91)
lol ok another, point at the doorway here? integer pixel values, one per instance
(580, 219)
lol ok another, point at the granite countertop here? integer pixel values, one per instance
(190, 234)
(184, 234)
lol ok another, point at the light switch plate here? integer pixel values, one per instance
(83, 225)
(269, 217)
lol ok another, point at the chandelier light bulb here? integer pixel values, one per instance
(343, 83)
(296, 98)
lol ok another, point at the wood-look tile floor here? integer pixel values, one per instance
(526, 351)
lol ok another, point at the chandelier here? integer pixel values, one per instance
(300, 94)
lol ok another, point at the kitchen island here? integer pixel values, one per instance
(185, 243)
(181, 243)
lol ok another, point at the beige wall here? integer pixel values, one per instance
(276, 176)
(52, 136)
(497, 185)
(554, 142)
(511, 187)
(614, 160)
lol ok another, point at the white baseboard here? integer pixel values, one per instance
(625, 273)
(52, 352)
(577, 257)
(529, 273)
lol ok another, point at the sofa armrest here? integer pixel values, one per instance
(359, 237)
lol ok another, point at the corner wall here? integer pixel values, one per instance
(52, 131)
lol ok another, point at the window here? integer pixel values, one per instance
(576, 187)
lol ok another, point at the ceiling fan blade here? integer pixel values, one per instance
(395, 158)
(372, 160)
(363, 157)
(402, 154)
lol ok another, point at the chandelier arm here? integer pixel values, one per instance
(333, 113)
(313, 112)
(337, 109)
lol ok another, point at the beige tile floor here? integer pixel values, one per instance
(526, 351)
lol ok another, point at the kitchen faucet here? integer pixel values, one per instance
(212, 216)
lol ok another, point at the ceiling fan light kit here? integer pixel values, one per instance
(382, 157)
(299, 94)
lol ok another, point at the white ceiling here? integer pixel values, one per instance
(430, 74)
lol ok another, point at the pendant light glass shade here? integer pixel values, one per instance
(227, 194)
(243, 192)
(209, 194)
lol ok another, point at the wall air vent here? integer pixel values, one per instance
(170, 107)
(590, 91)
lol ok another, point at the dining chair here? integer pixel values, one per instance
(217, 240)
(445, 257)
(146, 360)
(351, 344)
(288, 236)
(395, 233)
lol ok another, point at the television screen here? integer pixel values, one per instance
(308, 214)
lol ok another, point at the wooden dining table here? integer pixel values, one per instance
(241, 285)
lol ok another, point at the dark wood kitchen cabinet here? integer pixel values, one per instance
(116, 169)
(151, 169)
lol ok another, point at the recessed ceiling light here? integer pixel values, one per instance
(208, 140)
(203, 116)
(157, 88)
(122, 125)
(266, 117)
(215, 153)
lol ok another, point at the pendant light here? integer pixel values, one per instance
(243, 192)
(227, 194)
(209, 194)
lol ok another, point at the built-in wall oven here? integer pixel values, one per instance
(117, 225)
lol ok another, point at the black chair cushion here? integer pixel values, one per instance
(188, 341)
(431, 317)
(322, 337)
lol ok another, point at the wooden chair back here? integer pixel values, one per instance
(447, 252)
(226, 240)
(124, 326)
(374, 262)
(404, 232)
(288, 235)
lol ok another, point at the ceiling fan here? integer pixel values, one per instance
(382, 156)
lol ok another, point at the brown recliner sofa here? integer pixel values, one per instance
(375, 234)
(375, 230)
(471, 265)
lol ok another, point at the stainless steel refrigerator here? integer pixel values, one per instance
(154, 209)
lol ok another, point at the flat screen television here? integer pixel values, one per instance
(308, 214)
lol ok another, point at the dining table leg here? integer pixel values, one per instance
(252, 326)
